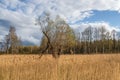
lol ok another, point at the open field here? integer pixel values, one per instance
(67, 67)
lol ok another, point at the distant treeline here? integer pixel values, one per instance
(59, 38)
(91, 40)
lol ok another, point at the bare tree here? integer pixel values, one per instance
(1, 46)
(96, 39)
(7, 43)
(102, 30)
(118, 42)
(84, 40)
(88, 35)
(12, 42)
(108, 37)
(78, 44)
(45, 24)
(114, 40)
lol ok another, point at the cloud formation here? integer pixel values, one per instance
(82, 26)
(22, 14)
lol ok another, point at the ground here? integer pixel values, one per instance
(67, 67)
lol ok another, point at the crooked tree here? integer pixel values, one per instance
(57, 35)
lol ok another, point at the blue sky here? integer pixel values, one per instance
(78, 14)
(112, 17)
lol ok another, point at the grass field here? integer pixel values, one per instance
(67, 67)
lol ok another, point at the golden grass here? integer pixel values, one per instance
(67, 67)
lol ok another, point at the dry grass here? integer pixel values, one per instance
(67, 67)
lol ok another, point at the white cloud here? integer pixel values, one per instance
(82, 26)
(22, 13)
(77, 15)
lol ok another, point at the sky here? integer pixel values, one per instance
(79, 14)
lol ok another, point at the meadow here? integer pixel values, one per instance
(67, 67)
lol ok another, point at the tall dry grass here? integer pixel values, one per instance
(67, 67)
